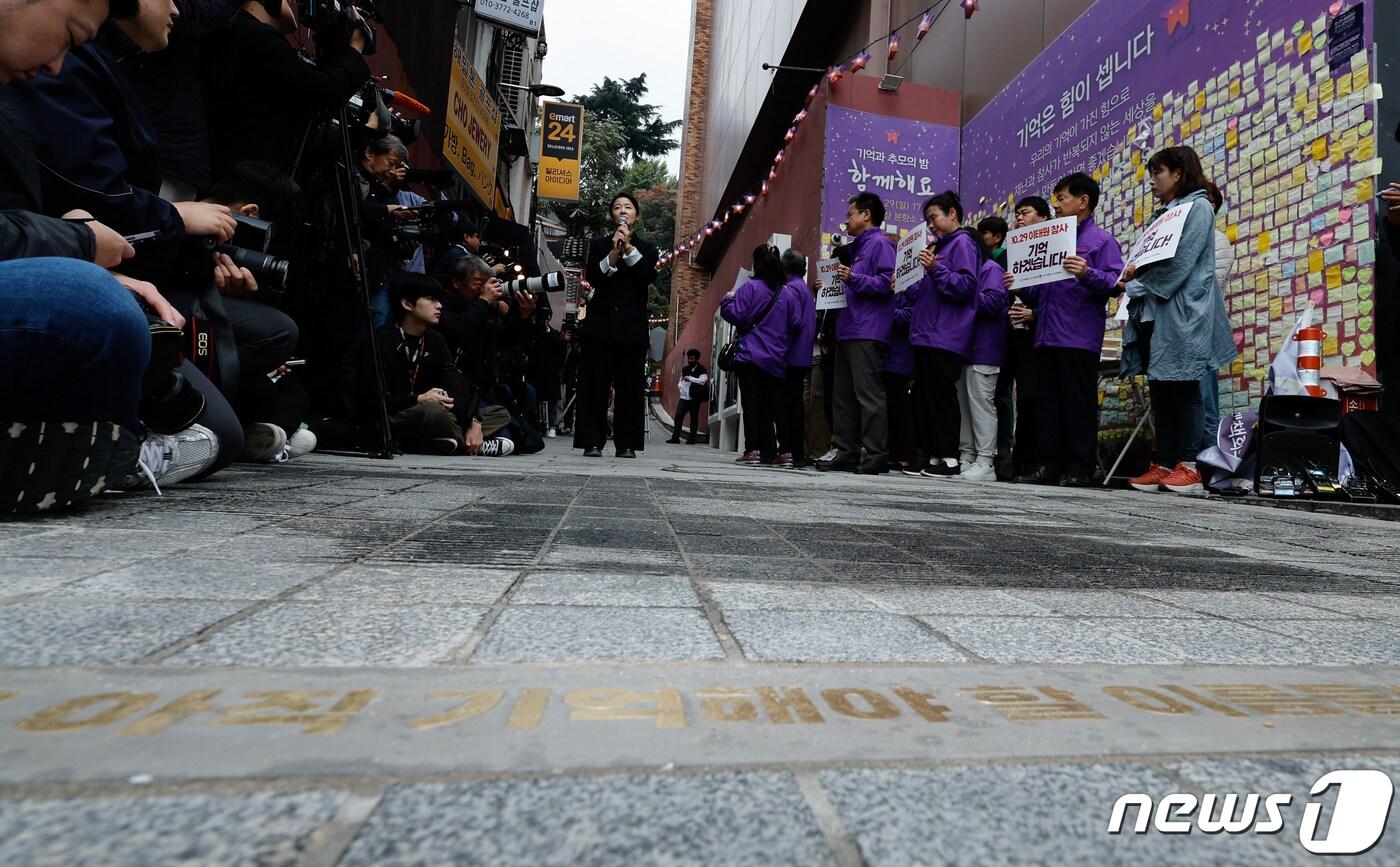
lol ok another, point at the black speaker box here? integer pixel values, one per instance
(1296, 430)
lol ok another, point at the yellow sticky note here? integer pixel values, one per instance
(1157, 111)
(1200, 101)
(1264, 240)
(1365, 149)
(1233, 233)
(1314, 261)
(1232, 138)
(1305, 43)
(1235, 89)
(1137, 158)
(1300, 101)
(1196, 123)
(1364, 190)
(1319, 149)
(1334, 276)
(1325, 90)
(1361, 78)
(1275, 308)
(1329, 345)
(1140, 173)
(1185, 128)
(1344, 86)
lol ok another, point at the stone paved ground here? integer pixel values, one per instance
(547, 660)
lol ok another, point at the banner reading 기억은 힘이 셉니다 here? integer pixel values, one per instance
(1284, 126)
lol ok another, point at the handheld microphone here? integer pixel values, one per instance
(621, 221)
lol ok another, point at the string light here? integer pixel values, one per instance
(861, 61)
(970, 7)
(894, 45)
(836, 73)
(925, 25)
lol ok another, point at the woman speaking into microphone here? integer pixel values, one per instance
(620, 268)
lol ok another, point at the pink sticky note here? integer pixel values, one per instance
(1335, 7)
(1344, 215)
(1327, 237)
(1233, 123)
(1317, 296)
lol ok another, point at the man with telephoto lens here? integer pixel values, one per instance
(620, 268)
(263, 96)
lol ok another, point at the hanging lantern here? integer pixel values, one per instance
(860, 62)
(836, 73)
(894, 45)
(970, 7)
(925, 25)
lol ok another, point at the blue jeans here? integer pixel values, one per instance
(1210, 408)
(73, 341)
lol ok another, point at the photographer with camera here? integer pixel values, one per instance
(71, 419)
(381, 167)
(254, 72)
(468, 243)
(432, 408)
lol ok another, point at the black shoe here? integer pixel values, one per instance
(1076, 479)
(838, 464)
(48, 466)
(1039, 476)
(939, 468)
(626, 453)
(692, 441)
(594, 452)
(676, 442)
(877, 467)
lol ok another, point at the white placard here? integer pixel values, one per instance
(1036, 254)
(1161, 239)
(907, 270)
(831, 293)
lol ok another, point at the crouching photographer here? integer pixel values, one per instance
(78, 332)
(432, 408)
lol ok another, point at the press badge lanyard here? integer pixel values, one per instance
(413, 359)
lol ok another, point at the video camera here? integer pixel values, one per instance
(370, 98)
(842, 250)
(248, 249)
(339, 19)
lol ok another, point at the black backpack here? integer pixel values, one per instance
(1373, 441)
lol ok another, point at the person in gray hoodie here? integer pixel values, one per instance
(1177, 328)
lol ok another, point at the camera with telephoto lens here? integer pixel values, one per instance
(338, 19)
(248, 249)
(842, 250)
(551, 282)
(366, 103)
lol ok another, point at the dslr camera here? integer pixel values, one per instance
(248, 249)
(551, 282)
(338, 18)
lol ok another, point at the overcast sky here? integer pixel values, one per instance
(621, 39)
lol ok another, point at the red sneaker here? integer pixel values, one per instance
(1184, 480)
(1150, 481)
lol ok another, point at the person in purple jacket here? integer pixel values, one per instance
(792, 430)
(765, 316)
(945, 305)
(862, 339)
(897, 373)
(977, 389)
(1069, 331)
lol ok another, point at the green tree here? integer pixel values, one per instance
(601, 174)
(647, 135)
(658, 221)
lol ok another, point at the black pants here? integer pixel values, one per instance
(1176, 410)
(901, 410)
(688, 406)
(858, 404)
(1016, 401)
(762, 399)
(937, 415)
(219, 417)
(792, 432)
(605, 366)
(1067, 408)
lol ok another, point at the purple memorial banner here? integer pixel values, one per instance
(901, 161)
(1284, 121)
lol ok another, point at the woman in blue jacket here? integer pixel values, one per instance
(765, 317)
(1177, 327)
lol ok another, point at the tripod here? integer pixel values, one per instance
(346, 215)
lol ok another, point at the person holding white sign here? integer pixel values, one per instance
(945, 305)
(1177, 328)
(1069, 332)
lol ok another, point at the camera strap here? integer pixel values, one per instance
(212, 347)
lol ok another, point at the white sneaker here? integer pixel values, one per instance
(552, 433)
(168, 460)
(262, 442)
(497, 447)
(831, 455)
(978, 472)
(301, 442)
